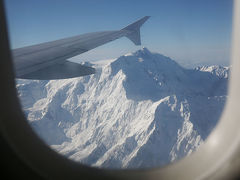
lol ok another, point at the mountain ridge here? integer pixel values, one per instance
(140, 110)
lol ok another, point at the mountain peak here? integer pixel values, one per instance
(143, 52)
(138, 104)
(146, 50)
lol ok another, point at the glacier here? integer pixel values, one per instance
(140, 110)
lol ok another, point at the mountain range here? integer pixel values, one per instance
(140, 110)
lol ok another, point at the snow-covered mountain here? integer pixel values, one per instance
(139, 110)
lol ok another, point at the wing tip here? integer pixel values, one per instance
(134, 30)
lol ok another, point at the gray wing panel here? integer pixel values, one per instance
(36, 58)
(33, 58)
(60, 71)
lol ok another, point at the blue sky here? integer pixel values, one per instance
(185, 30)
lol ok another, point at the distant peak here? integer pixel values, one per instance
(143, 51)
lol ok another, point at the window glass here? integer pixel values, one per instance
(145, 106)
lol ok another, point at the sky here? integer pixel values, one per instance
(196, 31)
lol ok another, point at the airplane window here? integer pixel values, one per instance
(122, 84)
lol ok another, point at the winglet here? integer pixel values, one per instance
(134, 30)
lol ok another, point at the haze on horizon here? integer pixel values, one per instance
(187, 31)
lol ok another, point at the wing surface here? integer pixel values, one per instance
(62, 70)
(32, 61)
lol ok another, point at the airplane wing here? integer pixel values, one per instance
(48, 60)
